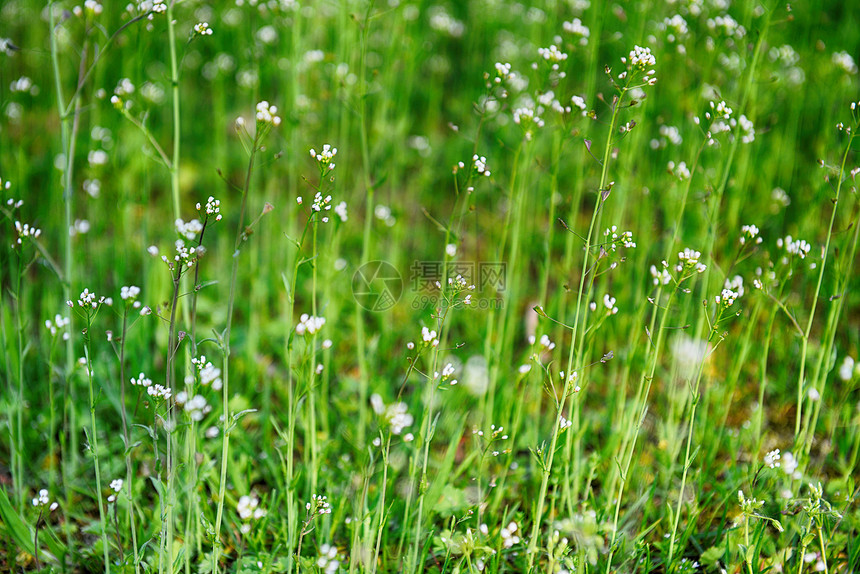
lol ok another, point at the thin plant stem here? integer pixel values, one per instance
(225, 345)
(127, 445)
(808, 330)
(569, 379)
(94, 447)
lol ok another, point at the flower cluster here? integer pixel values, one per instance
(637, 61)
(88, 300)
(528, 118)
(577, 28)
(726, 298)
(325, 157)
(148, 7)
(115, 486)
(155, 391)
(318, 506)
(209, 373)
(340, 210)
(797, 247)
(641, 58)
(202, 29)
(771, 459)
(509, 535)
(213, 207)
(195, 407)
(395, 415)
(43, 500)
(552, 55)
(726, 25)
(545, 342)
(25, 232)
(503, 75)
(129, 294)
(321, 203)
(429, 337)
(328, 561)
(609, 303)
(625, 238)
(480, 165)
(90, 7)
(690, 261)
(267, 114)
(57, 325)
(309, 324)
(661, 276)
(749, 232)
(248, 509)
(681, 171)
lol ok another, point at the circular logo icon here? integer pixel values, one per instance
(377, 286)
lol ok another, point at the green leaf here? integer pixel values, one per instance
(711, 556)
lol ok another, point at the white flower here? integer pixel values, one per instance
(202, 29)
(680, 170)
(213, 207)
(552, 55)
(508, 535)
(641, 57)
(480, 165)
(429, 337)
(789, 466)
(660, 277)
(846, 369)
(267, 114)
(797, 247)
(42, 499)
(609, 303)
(247, 507)
(129, 292)
(309, 324)
(325, 157)
(845, 62)
(396, 414)
(141, 380)
(340, 210)
(577, 28)
(690, 260)
(771, 459)
(749, 232)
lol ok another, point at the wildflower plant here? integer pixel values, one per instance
(589, 213)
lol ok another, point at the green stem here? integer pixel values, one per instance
(225, 396)
(170, 427)
(174, 84)
(568, 384)
(127, 445)
(361, 343)
(808, 330)
(95, 442)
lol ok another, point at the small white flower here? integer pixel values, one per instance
(267, 114)
(309, 324)
(202, 29)
(771, 459)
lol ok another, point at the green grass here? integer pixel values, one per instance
(350, 444)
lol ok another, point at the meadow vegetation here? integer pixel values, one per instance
(429, 286)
